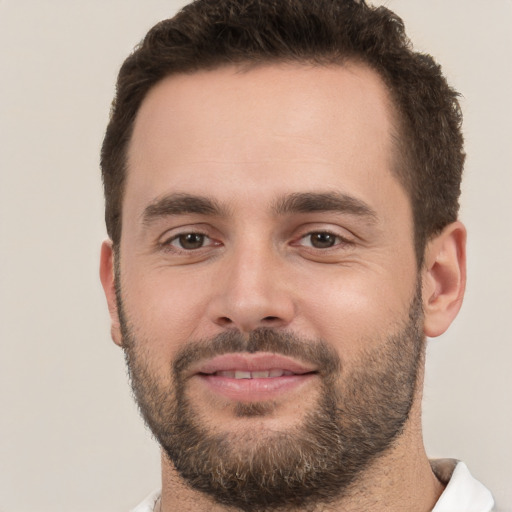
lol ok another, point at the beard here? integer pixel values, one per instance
(359, 414)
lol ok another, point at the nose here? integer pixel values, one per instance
(251, 291)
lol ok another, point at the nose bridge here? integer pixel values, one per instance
(253, 292)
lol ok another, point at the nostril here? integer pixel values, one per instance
(224, 320)
(271, 318)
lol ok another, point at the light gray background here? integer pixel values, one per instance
(70, 437)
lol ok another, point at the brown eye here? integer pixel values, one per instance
(190, 241)
(322, 240)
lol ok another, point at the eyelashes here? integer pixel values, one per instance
(323, 240)
(194, 241)
(189, 241)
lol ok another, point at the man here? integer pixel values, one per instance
(282, 182)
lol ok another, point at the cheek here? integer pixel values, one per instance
(357, 309)
(163, 313)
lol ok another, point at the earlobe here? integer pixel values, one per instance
(107, 275)
(444, 278)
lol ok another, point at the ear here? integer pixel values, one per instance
(444, 278)
(108, 283)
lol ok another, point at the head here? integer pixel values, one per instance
(211, 34)
(281, 183)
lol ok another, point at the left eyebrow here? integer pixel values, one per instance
(181, 204)
(309, 202)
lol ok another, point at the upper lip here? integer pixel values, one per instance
(261, 361)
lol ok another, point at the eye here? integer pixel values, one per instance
(189, 241)
(322, 240)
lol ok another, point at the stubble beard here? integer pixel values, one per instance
(357, 419)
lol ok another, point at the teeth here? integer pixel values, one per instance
(226, 373)
(242, 375)
(263, 374)
(260, 375)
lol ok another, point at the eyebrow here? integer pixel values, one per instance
(303, 202)
(181, 204)
(308, 202)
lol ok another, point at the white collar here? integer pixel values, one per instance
(463, 493)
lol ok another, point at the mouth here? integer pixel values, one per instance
(254, 377)
(259, 374)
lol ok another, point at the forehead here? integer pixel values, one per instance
(269, 129)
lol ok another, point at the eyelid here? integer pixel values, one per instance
(338, 231)
(183, 229)
(341, 240)
(165, 241)
(178, 236)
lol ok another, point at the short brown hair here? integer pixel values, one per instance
(211, 33)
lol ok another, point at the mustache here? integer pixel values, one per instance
(264, 339)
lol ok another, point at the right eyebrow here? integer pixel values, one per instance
(181, 204)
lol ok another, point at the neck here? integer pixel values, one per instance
(400, 480)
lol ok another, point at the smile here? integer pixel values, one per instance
(247, 377)
(259, 365)
(262, 374)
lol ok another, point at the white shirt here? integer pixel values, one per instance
(463, 493)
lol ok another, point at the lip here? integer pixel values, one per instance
(256, 388)
(261, 361)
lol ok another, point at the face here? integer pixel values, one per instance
(267, 282)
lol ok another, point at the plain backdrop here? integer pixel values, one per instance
(70, 437)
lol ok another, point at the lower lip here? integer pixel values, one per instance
(252, 390)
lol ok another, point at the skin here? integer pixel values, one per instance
(247, 140)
